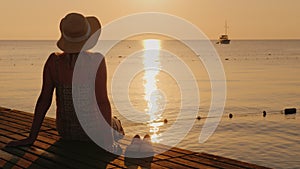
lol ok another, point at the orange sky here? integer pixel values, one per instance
(255, 19)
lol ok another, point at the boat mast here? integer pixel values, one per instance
(226, 27)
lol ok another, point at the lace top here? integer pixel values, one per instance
(58, 71)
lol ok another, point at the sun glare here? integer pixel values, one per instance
(153, 96)
(150, 44)
(151, 66)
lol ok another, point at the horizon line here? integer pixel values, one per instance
(142, 39)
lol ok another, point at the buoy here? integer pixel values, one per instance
(230, 115)
(264, 113)
(290, 111)
(198, 117)
(165, 121)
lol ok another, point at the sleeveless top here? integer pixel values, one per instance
(67, 123)
(59, 70)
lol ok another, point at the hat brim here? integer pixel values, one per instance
(90, 42)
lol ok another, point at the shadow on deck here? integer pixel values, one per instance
(49, 152)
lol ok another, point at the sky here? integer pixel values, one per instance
(255, 19)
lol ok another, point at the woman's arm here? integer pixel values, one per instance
(41, 108)
(103, 101)
(101, 92)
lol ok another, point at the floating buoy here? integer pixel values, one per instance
(290, 111)
(230, 115)
(264, 113)
(165, 121)
(198, 117)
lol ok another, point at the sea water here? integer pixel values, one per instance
(261, 75)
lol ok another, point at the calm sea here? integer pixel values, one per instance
(261, 75)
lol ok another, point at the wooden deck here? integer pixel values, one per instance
(49, 152)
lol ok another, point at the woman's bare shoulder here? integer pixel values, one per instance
(55, 55)
(95, 54)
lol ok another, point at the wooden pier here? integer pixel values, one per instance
(49, 152)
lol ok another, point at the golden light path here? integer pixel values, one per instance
(153, 96)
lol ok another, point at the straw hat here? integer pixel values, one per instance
(75, 33)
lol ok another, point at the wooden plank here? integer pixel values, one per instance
(167, 152)
(52, 142)
(231, 161)
(116, 162)
(191, 164)
(161, 157)
(30, 115)
(181, 151)
(62, 156)
(9, 165)
(27, 125)
(15, 160)
(210, 162)
(86, 153)
(13, 127)
(91, 151)
(49, 152)
(170, 164)
(27, 117)
(30, 154)
(8, 160)
(35, 161)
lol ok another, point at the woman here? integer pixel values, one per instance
(76, 32)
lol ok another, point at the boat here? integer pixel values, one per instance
(224, 39)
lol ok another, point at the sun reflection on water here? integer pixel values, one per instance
(153, 96)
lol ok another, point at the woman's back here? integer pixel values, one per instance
(67, 123)
(61, 68)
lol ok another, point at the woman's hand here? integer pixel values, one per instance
(23, 142)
